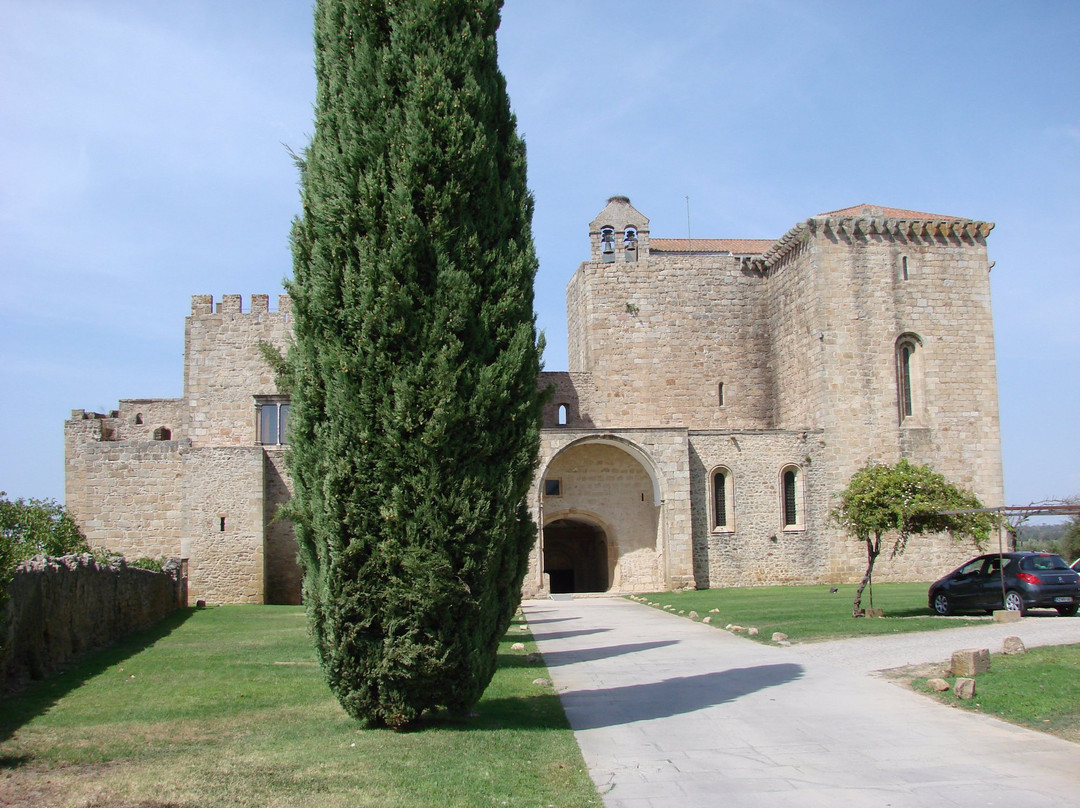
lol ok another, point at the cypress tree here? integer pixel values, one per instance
(415, 421)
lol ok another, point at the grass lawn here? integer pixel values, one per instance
(227, 707)
(807, 613)
(1039, 689)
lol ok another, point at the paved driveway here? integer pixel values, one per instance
(670, 712)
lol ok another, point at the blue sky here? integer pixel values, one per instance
(144, 160)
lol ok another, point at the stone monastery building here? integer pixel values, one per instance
(720, 393)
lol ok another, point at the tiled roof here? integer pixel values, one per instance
(736, 246)
(891, 213)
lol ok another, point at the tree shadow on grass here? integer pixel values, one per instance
(38, 697)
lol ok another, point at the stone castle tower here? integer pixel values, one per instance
(720, 393)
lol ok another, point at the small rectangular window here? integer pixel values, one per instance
(273, 422)
(552, 488)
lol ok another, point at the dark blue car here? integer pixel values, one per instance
(1015, 581)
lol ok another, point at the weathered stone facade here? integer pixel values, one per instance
(771, 370)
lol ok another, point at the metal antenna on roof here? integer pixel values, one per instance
(689, 241)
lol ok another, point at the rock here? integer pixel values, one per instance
(682, 611)
(542, 682)
(753, 632)
(964, 688)
(1013, 645)
(523, 628)
(873, 612)
(940, 685)
(693, 615)
(779, 636)
(734, 627)
(714, 611)
(533, 658)
(670, 608)
(518, 646)
(1006, 616)
(970, 662)
(707, 620)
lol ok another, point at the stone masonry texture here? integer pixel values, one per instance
(764, 364)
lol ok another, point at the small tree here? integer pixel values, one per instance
(1070, 541)
(30, 527)
(904, 501)
(415, 421)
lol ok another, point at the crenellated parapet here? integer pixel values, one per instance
(233, 304)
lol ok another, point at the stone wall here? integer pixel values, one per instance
(127, 495)
(755, 548)
(224, 369)
(61, 608)
(660, 335)
(283, 576)
(223, 524)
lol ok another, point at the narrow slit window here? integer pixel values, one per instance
(719, 499)
(221, 527)
(723, 517)
(906, 407)
(791, 498)
(909, 382)
(720, 394)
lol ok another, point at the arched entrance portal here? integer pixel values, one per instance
(575, 556)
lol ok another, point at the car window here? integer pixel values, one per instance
(1043, 562)
(971, 568)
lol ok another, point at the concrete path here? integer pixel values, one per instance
(671, 712)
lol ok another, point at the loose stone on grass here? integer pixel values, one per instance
(518, 646)
(940, 685)
(1013, 645)
(970, 661)
(964, 688)
(779, 636)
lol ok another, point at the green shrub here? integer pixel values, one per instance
(145, 563)
(30, 527)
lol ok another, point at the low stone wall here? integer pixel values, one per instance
(61, 608)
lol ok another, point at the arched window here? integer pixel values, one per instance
(162, 433)
(723, 500)
(630, 243)
(791, 498)
(564, 412)
(607, 244)
(909, 381)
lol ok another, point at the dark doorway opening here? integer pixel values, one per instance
(575, 557)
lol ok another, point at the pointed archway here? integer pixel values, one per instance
(576, 556)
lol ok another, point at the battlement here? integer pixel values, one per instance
(233, 304)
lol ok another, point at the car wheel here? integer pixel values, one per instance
(942, 604)
(1068, 611)
(1014, 602)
